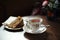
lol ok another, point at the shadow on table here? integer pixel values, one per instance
(42, 36)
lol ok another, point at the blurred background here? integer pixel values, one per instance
(25, 8)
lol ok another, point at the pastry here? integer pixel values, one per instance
(18, 23)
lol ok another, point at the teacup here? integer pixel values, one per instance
(34, 23)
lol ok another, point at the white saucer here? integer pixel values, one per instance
(40, 30)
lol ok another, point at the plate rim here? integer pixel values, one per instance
(12, 28)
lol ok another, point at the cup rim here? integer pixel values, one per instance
(41, 20)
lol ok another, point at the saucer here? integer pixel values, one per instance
(41, 29)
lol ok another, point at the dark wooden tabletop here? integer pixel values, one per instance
(52, 33)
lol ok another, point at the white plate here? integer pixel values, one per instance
(8, 21)
(40, 30)
(12, 28)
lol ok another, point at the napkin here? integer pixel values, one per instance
(9, 20)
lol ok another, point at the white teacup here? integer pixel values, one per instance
(34, 23)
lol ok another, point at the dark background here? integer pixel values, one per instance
(15, 8)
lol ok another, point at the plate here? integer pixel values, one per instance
(8, 21)
(41, 29)
(12, 28)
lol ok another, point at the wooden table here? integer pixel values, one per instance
(52, 33)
